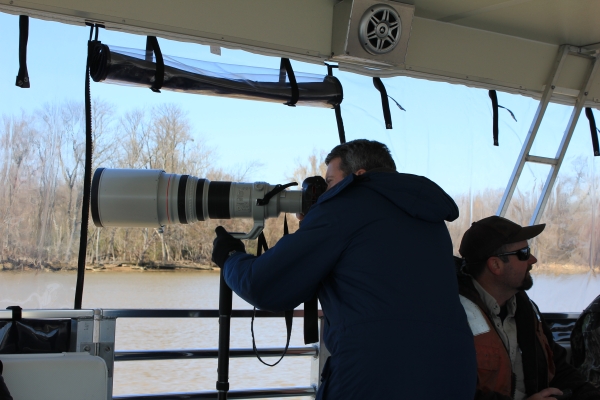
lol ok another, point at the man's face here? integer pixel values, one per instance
(334, 173)
(516, 273)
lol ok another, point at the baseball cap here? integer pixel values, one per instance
(485, 236)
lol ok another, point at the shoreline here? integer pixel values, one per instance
(26, 265)
(563, 269)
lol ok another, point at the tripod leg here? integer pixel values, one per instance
(225, 305)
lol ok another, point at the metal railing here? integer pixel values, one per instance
(107, 324)
(93, 331)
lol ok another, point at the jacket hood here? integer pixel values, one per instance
(416, 195)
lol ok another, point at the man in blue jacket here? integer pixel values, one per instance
(377, 252)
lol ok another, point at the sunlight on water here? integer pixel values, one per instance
(29, 289)
(564, 293)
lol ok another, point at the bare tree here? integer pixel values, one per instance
(16, 171)
(71, 158)
(314, 166)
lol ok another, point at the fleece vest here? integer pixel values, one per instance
(494, 369)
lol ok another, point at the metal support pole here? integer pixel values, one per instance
(535, 125)
(225, 305)
(564, 144)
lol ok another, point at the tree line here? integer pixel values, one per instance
(571, 216)
(41, 172)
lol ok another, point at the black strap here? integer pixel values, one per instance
(385, 104)
(340, 123)
(593, 130)
(23, 75)
(495, 106)
(159, 76)
(311, 307)
(278, 188)
(511, 113)
(494, 98)
(286, 66)
(398, 104)
(311, 320)
(87, 176)
(17, 312)
(289, 315)
(338, 110)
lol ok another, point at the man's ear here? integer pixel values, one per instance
(494, 265)
(360, 171)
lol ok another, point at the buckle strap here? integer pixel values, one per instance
(385, 104)
(159, 76)
(494, 98)
(286, 68)
(338, 110)
(495, 106)
(593, 130)
(23, 75)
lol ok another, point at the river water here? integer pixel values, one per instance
(199, 290)
(149, 289)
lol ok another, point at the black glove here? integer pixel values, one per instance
(223, 245)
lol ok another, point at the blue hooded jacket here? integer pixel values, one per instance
(377, 251)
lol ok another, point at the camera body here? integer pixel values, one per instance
(153, 198)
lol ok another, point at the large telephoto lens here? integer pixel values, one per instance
(153, 198)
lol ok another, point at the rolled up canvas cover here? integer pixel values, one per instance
(137, 67)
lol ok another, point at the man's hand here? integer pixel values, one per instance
(223, 245)
(547, 393)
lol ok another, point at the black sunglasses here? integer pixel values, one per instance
(522, 254)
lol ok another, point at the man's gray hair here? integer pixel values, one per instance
(361, 154)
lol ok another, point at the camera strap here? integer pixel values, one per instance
(265, 200)
(289, 315)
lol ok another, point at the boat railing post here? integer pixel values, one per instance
(106, 347)
(82, 335)
(319, 360)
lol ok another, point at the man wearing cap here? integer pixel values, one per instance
(516, 355)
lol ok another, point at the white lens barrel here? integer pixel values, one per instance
(288, 201)
(127, 198)
(152, 198)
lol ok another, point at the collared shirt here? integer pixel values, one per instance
(507, 331)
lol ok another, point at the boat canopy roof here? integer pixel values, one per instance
(506, 45)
